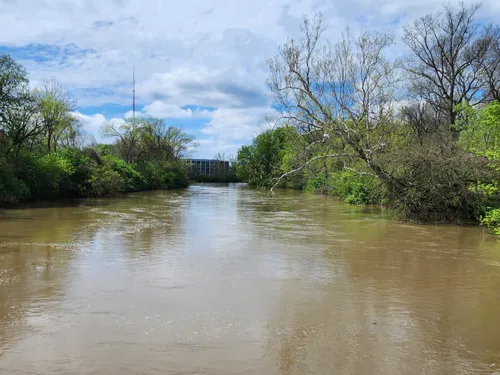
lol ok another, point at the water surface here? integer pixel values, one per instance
(222, 279)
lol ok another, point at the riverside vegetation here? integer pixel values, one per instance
(420, 135)
(44, 154)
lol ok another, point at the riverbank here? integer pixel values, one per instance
(45, 154)
(74, 173)
(417, 186)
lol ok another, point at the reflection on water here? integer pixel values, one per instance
(222, 279)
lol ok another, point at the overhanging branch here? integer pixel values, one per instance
(305, 165)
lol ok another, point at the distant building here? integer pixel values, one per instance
(208, 167)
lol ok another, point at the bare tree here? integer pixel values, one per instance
(491, 65)
(423, 119)
(221, 164)
(448, 51)
(343, 91)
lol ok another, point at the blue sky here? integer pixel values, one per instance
(199, 64)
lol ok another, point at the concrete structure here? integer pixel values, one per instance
(208, 167)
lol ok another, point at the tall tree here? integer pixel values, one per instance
(160, 141)
(340, 91)
(491, 65)
(128, 136)
(448, 51)
(180, 143)
(56, 105)
(13, 85)
(21, 123)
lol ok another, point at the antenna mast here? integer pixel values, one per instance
(133, 92)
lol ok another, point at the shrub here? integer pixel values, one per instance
(133, 180)
(12, 189)
(350, 186)
(47, 176)
(492, 220)
(106, 181)
(163, 175)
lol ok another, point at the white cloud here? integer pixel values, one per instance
(162, 109)
(230, 128)
(198, 85)
(186, 53)
(235, 124)
(94, 124)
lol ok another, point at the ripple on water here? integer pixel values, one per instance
(226, 280)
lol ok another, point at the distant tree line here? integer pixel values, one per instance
(419, 134)
(45, 154)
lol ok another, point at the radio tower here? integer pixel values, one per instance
(133, 92)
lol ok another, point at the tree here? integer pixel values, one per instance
(448, 53)
(128, 135)
(21, 122)
(491, 65)
(55, 105)
(149, 138)
(481, 136)
(179, 141)
(159, 141)
(341, 91)
(221, 164)
(152, 139)
(261, 163)
(221, 156)
(13, 85)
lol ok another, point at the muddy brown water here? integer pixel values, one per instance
(222, 279)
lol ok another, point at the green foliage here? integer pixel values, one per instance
(42, 155)
(318, 184)
(481, 130)
(133, 180)
(357, 189)
(261, 163)
(13, 84)
(163, 175)
(491, 220)
(12, 189)
(350, 186)
(71, 173)
(481, 136)
(48, 176)
(105, 181)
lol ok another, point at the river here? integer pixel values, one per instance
(223, 279)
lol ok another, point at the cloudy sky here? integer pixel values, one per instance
(199, 64)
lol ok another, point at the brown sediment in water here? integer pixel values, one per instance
(225, 280)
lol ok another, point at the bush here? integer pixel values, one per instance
(350, 186)
(106, 181)
(12, 189)
(133, 180)
(163, 175)
(47, 176)
(72, 172)
(492, 220)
